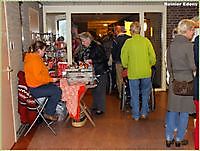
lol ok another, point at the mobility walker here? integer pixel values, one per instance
(126, 96)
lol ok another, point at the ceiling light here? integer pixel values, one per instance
(105, 25)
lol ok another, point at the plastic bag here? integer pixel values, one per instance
(61, 111)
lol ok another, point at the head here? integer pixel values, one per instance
(197, 29)
(61, 38)
(118, 30)
(86, 38)
(38, 47)
(135, 28)
(174, 32)
(186, 28)
(196, 20)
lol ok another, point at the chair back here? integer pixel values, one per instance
(26, 102)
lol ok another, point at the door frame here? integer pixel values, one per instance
(8, 124)
(70, 9)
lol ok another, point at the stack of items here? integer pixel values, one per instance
(84, 73)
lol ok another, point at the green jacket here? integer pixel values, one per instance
(138, 57)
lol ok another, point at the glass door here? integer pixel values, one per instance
(153, 31)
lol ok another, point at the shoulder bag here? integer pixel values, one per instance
(182, 88)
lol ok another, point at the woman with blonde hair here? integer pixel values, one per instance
(180, 64)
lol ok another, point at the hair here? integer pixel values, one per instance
(61, 38)
(185, 25)
(35, 46)
(174, 32)
(86, 35)
(135, 27)
(196, 20)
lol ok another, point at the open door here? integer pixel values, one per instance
(8, 135)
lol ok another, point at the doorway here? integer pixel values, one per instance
(149, 13)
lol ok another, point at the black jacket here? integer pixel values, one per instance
(117, 46)
(97, 54)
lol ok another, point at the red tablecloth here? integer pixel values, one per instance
(72, 94)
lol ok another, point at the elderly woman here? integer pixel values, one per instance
(94, 50)
(38, 79)
(180, 61)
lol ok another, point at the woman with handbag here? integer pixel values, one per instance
(181, 66)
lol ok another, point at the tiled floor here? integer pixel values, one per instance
(114, 130)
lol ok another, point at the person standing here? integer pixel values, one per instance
(118, 42)
(38, 79)
(180, 57)
(196, 84)
(138, 57)
(95, 51)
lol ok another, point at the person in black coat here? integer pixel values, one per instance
(95, 51)
(196, 91)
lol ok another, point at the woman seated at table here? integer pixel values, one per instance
(38, 79)
(95, 51)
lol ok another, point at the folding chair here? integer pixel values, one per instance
(41, 103)
(32, 104)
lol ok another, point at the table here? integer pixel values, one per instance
(74, 106)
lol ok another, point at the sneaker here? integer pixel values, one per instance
(136, 119)
(143, 116)
(50, 117)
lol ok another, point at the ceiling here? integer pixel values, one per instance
(98, 20)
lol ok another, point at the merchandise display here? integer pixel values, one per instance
(84, 73)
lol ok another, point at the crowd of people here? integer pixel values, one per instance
(136, 54)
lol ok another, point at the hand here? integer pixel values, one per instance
(55, 79)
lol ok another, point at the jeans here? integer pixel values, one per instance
(137, 87)
(176, 121)
(182, 125)
(52, 92)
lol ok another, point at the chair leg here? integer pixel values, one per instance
(48, 124)
(32, 124)
(87, 114)
(40, 108)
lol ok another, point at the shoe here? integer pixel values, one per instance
(169, 143)
(136, 119)
(183, 142)
(99, 112)
(143, 116)
(50, 117)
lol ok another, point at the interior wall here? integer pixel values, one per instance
(14, 38)
(25, 21)
(15, 45)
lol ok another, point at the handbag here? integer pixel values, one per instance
(182, 88)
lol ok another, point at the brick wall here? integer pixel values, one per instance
(177, 13)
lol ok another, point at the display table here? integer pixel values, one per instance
(73, 95)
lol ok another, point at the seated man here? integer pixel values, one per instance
(38, 79)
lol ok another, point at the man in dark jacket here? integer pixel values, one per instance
(95, 51)
(118, 42)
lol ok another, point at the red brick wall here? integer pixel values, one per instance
(177, 13)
